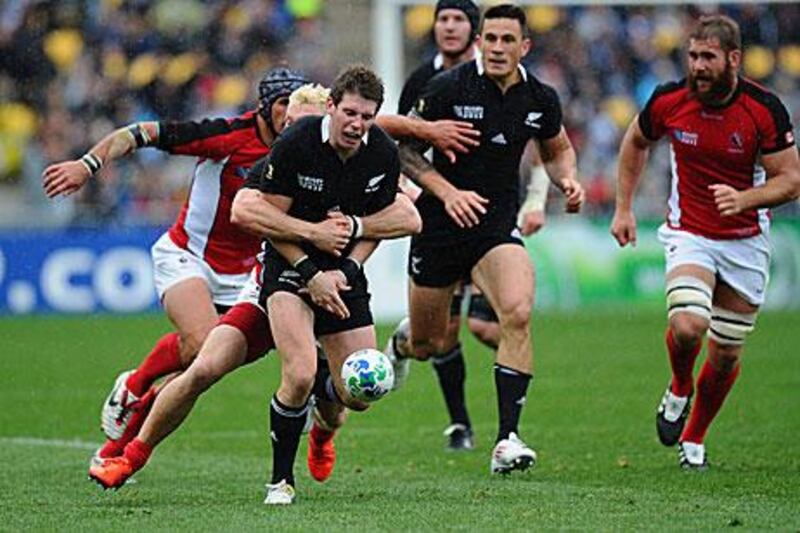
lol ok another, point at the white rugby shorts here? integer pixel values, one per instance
(172, 264)
(741, 263)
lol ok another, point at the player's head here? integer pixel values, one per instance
(309, 99)
(503, 40)
(356, 96)
(455, 26)
(273, 95)
(714, 53)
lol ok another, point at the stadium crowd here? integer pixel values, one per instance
(72, 69)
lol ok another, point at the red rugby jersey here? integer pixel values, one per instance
(226, 149)
(716, 145)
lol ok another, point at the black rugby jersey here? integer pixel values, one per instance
(528, 109)
(304, 166)
(416, 83)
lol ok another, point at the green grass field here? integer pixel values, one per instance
(589, 415)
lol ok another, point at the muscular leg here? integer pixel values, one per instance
(481, 319)
(505, 274)
(687, 325)
(293, 329)
(721, 368)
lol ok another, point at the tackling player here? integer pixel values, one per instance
(734, 155)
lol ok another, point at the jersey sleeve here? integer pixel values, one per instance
(209, 138)
(255, 174)
(552, 115)
(652, 117)
(432, 103)
(277, 174)
(776, 127)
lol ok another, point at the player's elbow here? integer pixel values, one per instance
(242, 208)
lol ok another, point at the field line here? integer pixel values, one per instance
(55, 443)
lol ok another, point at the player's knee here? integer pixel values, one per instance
(516, 316)
(725, 357)
(687, 328)
(730, 329)
(299, 379)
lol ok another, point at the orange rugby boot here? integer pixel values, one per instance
(321, 453)
(112, 473)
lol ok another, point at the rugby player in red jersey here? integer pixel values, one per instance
(733, 156)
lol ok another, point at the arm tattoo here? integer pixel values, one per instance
(412, 163)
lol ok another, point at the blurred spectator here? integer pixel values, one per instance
(71, 71)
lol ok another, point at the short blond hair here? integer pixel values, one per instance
(311, 94)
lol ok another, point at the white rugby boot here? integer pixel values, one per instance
(280, 493)
(512, 454)
(692, 456)
(118, 407)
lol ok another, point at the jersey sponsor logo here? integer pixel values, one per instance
(686, 137)
(499, 139)
(469, 112)
(531, 119)
(737, 146)
(710, 116)
(310, 183)
(374, 183)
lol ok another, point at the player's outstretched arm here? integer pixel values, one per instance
(633, 153)
(783, 185)
(561, 164)
(450, 137)
(464, 207)
(399, 219)
(67, 177)
(254, 213)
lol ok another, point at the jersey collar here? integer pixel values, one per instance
(522, 70)
(325, 130)
(438, 59)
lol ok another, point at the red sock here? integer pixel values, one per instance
(138, 452)
(713, 387)
(112, 448)
(164, 359)
(682, 363)
(321, 435)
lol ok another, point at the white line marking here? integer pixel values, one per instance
(56, 443)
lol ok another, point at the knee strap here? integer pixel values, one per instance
(729, 327)
(686, 294)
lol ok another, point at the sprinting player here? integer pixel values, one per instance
(243, 334)
(455, 32)
(203, 261)
(469, 209)
(734, 155)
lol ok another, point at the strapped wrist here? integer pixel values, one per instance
(140, 135)
(357, 227)
(92, 163)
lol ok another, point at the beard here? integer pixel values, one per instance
(720, 86)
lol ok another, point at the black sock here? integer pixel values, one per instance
(323, 387)
(452, 374)
(512, 385)
(286, 426)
